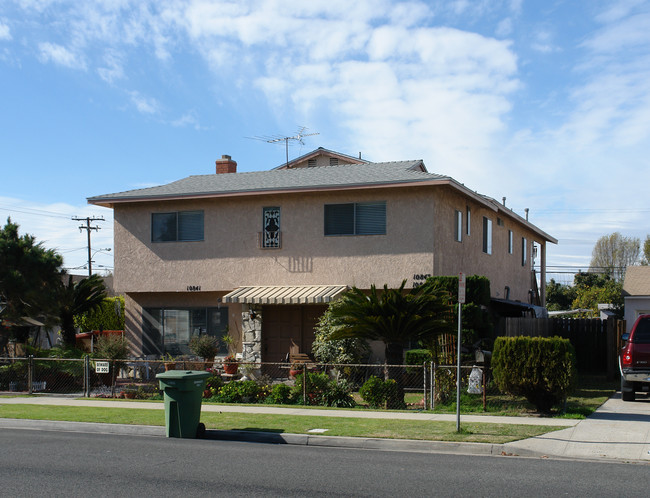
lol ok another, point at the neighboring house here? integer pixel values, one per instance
(260, 254)
(636, 293)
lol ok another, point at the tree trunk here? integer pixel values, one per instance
(68, 332)
(395, 356)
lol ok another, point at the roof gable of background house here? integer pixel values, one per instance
(637, 281)
(321, 157)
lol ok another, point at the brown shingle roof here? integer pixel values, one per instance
(637, 281)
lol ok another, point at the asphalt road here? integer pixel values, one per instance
(44, 463)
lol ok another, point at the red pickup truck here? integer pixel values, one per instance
(634, 360)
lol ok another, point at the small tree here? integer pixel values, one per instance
(113, 347)
(75, 299)
(341, 351)
(204, 346)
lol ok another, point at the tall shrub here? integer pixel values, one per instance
(109, 316)
(541, 369)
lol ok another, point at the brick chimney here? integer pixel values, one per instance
(226, 165)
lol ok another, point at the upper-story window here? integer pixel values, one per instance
(360, 218)
(524, 255)
(468, 221)
(458, 226)
(487, 235)
(271, 228)
(177, 226)
(510, 241)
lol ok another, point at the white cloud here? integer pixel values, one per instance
(113, 69)
(144, 105)
(5, 33)
(52, 52)
(504, 28)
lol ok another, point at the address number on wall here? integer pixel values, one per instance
(193, 288)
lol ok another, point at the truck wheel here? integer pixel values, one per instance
(627, 390)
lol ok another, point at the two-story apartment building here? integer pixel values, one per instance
(260, 254)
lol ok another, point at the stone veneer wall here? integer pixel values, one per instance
(252, 337)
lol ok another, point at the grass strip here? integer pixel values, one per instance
(295, 424)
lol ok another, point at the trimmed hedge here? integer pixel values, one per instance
(541, 369)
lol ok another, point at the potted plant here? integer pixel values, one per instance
(206, 347)
(230, 364)
(170, 362)
(296, 369)
(130, 391)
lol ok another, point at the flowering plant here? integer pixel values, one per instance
(230, 359)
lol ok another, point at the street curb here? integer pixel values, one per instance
(86, 427)
(358, 442)
(410, 445)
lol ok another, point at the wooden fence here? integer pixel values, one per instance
(595, 340)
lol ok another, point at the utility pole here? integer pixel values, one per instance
(88, 228)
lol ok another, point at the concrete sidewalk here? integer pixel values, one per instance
(617, 431)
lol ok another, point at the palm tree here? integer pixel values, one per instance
(393, 316)
(74, 299)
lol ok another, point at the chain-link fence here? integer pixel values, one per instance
(417, 387)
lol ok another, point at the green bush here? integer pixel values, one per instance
(341, 351)
(244, 391)
(541, 369)
(109, 316)
(280, 395)
(338, 394)
(321, 390)
(382, 393)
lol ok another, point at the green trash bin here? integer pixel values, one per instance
(183, 395)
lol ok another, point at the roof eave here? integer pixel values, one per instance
(111, 201)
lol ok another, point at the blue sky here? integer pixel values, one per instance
(546, 103)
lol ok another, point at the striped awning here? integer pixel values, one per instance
(285, 294)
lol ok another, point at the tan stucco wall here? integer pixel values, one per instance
(229, 256)
(502, 269)
(419, 241)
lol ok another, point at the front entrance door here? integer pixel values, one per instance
(288, 329)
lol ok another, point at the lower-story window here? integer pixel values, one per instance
(169, 330)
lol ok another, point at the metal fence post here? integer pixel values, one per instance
(434, 367)
(87, 376)
(424, 385)
(304, 383)
(30, 373)
(483, 378)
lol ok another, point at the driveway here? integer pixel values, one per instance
(616, 431)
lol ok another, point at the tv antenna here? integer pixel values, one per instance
(298, 137)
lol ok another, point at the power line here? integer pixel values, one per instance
(35, 212)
